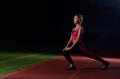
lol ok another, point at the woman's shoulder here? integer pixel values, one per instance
(81, 27)
(73, 28)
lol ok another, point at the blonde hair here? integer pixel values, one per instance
(80, 17)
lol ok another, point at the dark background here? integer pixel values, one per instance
(46, 25)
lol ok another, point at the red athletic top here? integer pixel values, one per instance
(74, 34)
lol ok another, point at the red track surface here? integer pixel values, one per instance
(57, 69)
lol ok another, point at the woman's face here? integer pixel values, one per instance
(76, 20)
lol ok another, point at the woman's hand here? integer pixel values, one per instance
(66, 49)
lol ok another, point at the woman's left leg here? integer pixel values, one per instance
(89, 54)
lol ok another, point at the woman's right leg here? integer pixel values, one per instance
(69, 59)
(67, 56)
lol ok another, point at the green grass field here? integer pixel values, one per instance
(14, 61)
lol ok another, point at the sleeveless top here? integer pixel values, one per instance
(74, 34)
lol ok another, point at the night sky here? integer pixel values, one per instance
(46, 25)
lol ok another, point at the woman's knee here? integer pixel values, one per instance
(65, 53)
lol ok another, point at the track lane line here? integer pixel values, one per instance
(17, 58)
(83, 67)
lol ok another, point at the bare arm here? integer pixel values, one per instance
(77, 39)
(69, 42)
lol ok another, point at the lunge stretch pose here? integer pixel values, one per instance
(75, 42)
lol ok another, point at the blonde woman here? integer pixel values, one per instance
(75, 42)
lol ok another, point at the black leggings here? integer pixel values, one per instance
(80, 47)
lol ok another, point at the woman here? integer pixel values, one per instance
(75, 42)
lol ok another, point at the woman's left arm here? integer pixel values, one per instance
(77, 39)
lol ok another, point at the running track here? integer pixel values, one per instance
(57, 69)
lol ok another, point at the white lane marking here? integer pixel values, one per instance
(84, 66)
(17, 58)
